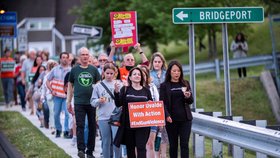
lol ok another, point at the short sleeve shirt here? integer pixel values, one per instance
(83, 80)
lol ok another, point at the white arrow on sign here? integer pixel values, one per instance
(181, 15)
(92, 31)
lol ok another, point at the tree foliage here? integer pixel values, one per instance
(154, 19)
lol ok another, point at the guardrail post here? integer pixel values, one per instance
(238, 152)
(199, 149)
(261, 123)
(217, 146)
(217, 69)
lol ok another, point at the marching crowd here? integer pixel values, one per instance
(87, 89)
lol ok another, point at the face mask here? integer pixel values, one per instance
(129, 67)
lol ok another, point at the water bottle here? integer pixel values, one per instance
(157, 142)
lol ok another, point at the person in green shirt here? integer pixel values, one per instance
(81, 81)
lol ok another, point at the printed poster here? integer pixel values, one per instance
(146, 114)
(124, 28)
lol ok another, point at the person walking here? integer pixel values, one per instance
(239, 47)
(20, 86)
(175, 92)
(55, 83)
(133, 138)
(7, 76)
(81, 81)
(103, 99)
(158, 72)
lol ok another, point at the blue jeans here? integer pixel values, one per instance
(117, 151)
(21, 92)
(59, 105)
(46, 111)
(86, 130)
(8, 89)
(105, 130)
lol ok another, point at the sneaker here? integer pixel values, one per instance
(74, 141)
(90, 156)
(11, 104)
(66, 135)
(81, 154)
(52, 130)
(57, 134)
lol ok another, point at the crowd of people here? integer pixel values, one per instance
(86, 89)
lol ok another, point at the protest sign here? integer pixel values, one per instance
(124, 28)
(146, 114)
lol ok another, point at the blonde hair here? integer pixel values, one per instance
(158, 54)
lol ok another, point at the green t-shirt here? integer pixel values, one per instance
(83, 80)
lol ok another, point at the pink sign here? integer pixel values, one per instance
(124, 28)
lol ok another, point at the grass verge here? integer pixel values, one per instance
(27, 138)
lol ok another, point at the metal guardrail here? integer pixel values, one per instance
(218, 65)
(262, 140)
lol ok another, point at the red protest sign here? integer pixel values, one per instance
(146, 114)
(124, 28)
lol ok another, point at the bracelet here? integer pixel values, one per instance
(140, 52)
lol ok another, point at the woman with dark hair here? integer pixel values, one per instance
(175, 92)
(134, 92)
(35, 90)
(239, 47)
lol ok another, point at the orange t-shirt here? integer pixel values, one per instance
(7, 67)
(123, 73)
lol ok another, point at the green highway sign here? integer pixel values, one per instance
(218, 15)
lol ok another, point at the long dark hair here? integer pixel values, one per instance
(242, 38)
(130, 73)
(35, 61)
(37, 74)
(168, 72)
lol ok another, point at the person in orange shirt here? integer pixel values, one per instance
(7, 76)
(128, 61)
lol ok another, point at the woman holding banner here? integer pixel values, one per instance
(134, 92)
(176, 94)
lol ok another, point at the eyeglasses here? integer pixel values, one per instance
(129, 59)
(102, 60)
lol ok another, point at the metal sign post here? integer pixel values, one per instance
(192, 63)
(275, 61)
(226, 69)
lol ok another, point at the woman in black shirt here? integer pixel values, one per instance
(176, 95)
(134, 92)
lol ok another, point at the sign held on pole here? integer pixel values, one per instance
(91, 31)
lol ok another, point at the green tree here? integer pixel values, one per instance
(154, 20)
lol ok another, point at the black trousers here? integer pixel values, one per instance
(138, 138)
(240, 70)
(174, 131)
(80, 113)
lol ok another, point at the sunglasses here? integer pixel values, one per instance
(102, 60)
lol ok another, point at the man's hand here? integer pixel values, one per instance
(70, 109)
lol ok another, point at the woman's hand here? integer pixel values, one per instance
(102, 99)
(117, 87)
(187, 94)
(151, 140)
